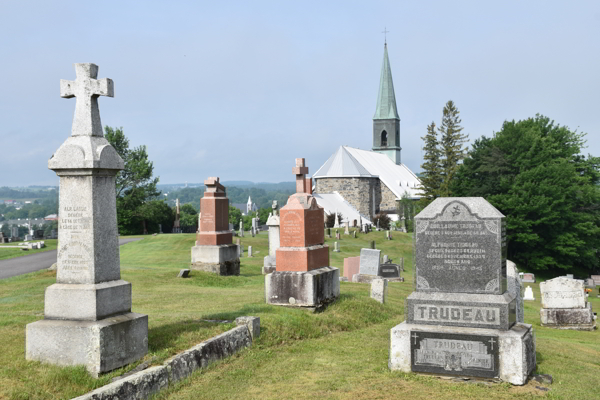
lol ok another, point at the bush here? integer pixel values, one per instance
(384, 221)
(330, 222)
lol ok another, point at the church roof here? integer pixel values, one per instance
(342, 163)
(386, 100)
(398, 178)
(334, 202)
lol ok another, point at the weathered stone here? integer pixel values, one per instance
(487, 353)
(253, 324)
(221, 259)
(460, 247)
(100, 346)
(528, 277)
(514, 288)
(379, 290)
(184, 273)
(569, 318)
(563, 293)
(369, 261)
(141, 385)
(336, 247)
(303, 289)
(249, 251)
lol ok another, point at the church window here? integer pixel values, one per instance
(384, 139)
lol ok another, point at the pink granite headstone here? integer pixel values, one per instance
(351, 267)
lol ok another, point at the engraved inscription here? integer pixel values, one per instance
(291, 227)
(463, 315)
(75, 218)
(453, 354)
(562, 295)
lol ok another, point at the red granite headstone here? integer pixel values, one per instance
(214, 221)
(301, 234)
(351, 267)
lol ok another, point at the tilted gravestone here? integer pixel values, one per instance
(461, 313)
(87, 314)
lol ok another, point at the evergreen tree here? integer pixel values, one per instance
(431, 178)
(533, 173)
(451, 146)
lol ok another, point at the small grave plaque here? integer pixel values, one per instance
(389, 270)
(369, 261)
(528, 278)
(454, 354)
(460, 247)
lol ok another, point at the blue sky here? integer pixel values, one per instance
(240, 89)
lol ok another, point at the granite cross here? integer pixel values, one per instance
(492, 341)
(300, 171)
(86, 121)
(414, 335)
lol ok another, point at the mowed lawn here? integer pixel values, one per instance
(340, 353)
(8, 252)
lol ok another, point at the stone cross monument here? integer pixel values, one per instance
(303, 277)
(176, 224)
(461, 318)
(87, 314)
(269, 261)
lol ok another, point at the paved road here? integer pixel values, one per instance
(35, 262)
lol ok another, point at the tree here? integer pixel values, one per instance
(431, 178)
(533, 172)
(234, 217)
(384, 221)
(135, 185)
(188, 218)
(451, 146)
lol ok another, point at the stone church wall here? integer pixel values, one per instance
(359, 192)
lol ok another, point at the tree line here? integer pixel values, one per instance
(533, 171)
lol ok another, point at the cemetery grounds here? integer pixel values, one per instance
(340, 353)
(14, 252)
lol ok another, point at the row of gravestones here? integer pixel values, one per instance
(461, 319)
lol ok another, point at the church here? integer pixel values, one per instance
(362, 183)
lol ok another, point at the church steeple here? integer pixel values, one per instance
(386, 122)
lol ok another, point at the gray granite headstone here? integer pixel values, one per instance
(369, 261)
(460, 247)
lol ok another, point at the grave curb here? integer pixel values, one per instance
(144, 384)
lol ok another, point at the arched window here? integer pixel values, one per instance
(384, 139)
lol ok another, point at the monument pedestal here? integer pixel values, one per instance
(580, 319)
(508, 355)
(269, 265)
(312, 289)
(218, 259)
(100, 346)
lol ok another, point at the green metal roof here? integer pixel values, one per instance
(386, 100)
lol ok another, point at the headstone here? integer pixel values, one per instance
(461, 314)
(253, 232)
(596, 279)
(528, 278)
(385, 258)
(354, 234)
(240, 250)
(241, 228)
(388, 235)
(303, 277)
(329, 232)
(565, 305)
(249, 251)
(570, 276)
(184, 273)
(369, 261)
(351, 267)
(372, 244)
(528, 294)
(379, 289)
(28, 237)
(378, 224)
(15, 232)
(346, 228)
(54, 234)
(176, 224)
(270, 261)
(87, 312)
(514, 285)
(337, 236)
(336, 220)
(215, 251)
(336, 247)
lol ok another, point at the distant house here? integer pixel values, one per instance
(51, 217)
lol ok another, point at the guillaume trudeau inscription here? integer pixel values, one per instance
(462, 315)
(453, 354)
(459, 252)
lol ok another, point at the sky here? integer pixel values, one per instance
(239, 89)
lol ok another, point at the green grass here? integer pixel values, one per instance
(340, 353)
(14, 253)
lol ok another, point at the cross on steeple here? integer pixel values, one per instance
(86, 121)
(300, 171)
(385, 32)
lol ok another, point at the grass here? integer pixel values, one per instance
(5, 254)
(340, 353)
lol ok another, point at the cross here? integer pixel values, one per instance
(300, 171)
(86, 121)
(492, 341)
(385, 32)
(414, 335)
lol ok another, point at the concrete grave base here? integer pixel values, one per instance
(219, 259)
(100, 346)
(364, 278)
(268, 269)
(516, 351)
(312, 289)
(581, 319)
(269, 265)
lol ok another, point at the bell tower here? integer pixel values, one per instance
(386, 122)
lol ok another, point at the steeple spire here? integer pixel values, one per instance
(386, 100)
